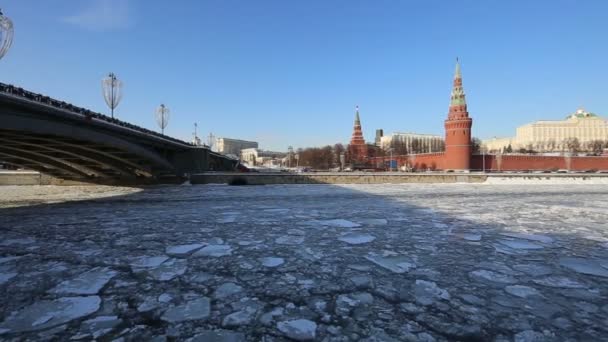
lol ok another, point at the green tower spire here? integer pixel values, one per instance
(457, 98)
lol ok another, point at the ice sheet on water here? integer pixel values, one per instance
(356, 238)
(533, 269)
(183, 250)
(9, 258)
(373, 221)
(397, 264)
(520, 244)
(196, 309)
(492, 276)
(214, 251)
(427, 292)
(532, 237)
(272, 261)
(49, 313)
(471, 237)
(559, 282)
(87, 283)
(340, 223)
(6, 276)
(169, 270)
(298, 329)
(148, 261)
(584, 266)
(522, 291)
(289, 240)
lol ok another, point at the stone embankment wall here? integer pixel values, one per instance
(333, 178)
(395, 178)
(32, 178)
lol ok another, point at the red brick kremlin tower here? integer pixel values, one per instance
(458, 128)
(357, 146)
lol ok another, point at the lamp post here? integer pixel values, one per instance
(342, 160)
(390, 161)
(162, 117)
(112, 91)
(483, 153)
(6, 34)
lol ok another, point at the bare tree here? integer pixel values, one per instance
(572, 144)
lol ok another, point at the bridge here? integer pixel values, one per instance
(73, 143)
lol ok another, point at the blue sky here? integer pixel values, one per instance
(291, 72)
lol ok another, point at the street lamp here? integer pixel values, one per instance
(162, 117)
(6, 34)
(112, 91)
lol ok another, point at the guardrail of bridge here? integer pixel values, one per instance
(49, 101)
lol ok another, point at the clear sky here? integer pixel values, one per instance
(291, 72)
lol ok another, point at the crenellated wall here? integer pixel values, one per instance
(511, 162)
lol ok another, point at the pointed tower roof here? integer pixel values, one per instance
(457, 98)
(357, 120)
(457, 71)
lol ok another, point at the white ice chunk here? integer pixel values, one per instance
(214, 251)
(183, 250)
(397, 264)
(298, 329)
(492, 276)
(427, 292)
(532, 237)
(356, 238)
(89, 282)
(4, 277)
(520, 244)
(272, 261)
(193, 310)
(585, 266)
(341, 223)
(289, 240)
(560, 282)
(522, 291)
(49, 313)
(146, 261)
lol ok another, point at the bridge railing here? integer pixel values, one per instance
(49, 101)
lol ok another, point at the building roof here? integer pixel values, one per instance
(581, 114)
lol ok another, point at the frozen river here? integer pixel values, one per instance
(305, 262)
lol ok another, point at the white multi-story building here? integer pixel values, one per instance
(233, 146)
(554, 136)
(414, 142)
(257, 157)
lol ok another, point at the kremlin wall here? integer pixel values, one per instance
(458, 154)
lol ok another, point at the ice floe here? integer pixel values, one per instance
(298, 329)
(522, 291)
(214, 251)
(397, 264)
(183, 250)
(87, 283)
(584, 266)
(49, 313)
(272, 261)
(356, 238)
(195, 309)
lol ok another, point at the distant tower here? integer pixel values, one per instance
(357, 147)
(458, 128)
(379, 135)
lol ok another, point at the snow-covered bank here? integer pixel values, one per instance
(544, 179)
